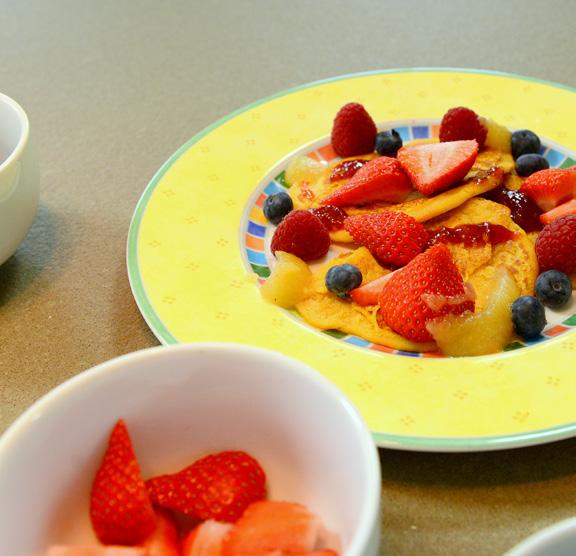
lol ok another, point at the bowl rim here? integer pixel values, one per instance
(24, 136)
(540, 539)
(369, 518)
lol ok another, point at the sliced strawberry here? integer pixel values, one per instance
(382, 179)
(164, 541)
(79, 550)
(561, 210)
(429, 286)
(393, 237)
(219, 486)
(268, 526)
(206, 539)
(551, 187)
(368, 293)
(120, 509)
(435, 167)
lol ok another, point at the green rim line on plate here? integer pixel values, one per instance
(162, 333)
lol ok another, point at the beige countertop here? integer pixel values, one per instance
(112, 88)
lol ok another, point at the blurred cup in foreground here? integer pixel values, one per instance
(19, 180)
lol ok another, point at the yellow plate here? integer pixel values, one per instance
(188, 272)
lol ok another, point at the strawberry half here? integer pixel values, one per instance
(435, 167)
(219, 486)
(381, 179)
(353, 131)
(369, 293)
(206, 539)
(120, 509)
(561, 210)
(164, 541)
(429, 286)
(270, 526)
(551, 187)
(394, 238)
(95, 550)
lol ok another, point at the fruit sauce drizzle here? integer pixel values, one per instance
(347, 169)
(471, 235)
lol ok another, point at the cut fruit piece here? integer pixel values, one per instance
(269, 526)
(164, 541)
(426, 208)
(481, 333)
(206, 539)
(285, 286)
(120, 509)
(381, 179)
(402, 301)
(72, 550)
(499, 137)
(368, 293)
(438, 166)
(303, 169)
(561, 210)
(550, 187)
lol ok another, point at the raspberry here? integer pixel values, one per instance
(462, 123)
(353, 131)
(302, 234)
(555, 245)
(394, 238)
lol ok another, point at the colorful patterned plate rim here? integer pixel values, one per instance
(188, 273)
(257, 232)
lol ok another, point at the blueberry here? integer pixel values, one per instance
(342, 278)
(524, 142)
(387, 143)
(277, 206)
(553, 288)
(528, 317)
(529, 163)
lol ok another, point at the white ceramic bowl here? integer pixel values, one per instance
(19, 182)
(557, 540)
(181, 402)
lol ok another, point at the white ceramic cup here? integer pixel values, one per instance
(181, 402)
(19, 182)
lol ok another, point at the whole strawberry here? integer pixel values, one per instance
(353, 131)
(429, 286)
(382, 179)
(556, 245)
(461, 123)
(394, 238)
(120, 508)
(219, 486)
(303, 234)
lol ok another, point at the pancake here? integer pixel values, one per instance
(326, 311)
(478, 264)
